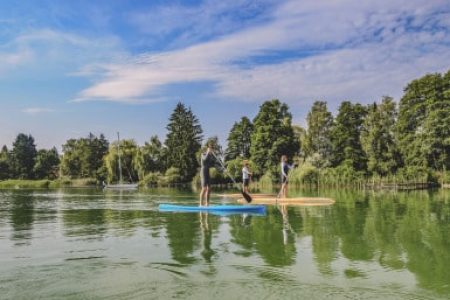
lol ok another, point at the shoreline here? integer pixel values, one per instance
(92, 183)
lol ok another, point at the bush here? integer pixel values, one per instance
(343, 174)
(417, 174)
(267, 180)
(306, 173)
(172, 176)
(443, 177)
(151, 179)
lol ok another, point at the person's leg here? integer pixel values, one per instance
(202, 195)
(285, 190)
(208, 191)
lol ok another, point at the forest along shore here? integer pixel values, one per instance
(382, 145)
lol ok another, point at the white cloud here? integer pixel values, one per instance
(44, 48)
(9, 60)
(189, 23)
(37, 110)
(364, 49)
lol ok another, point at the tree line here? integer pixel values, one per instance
(408, 140)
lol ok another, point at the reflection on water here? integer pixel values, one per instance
(63, 243)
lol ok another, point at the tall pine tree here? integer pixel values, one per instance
(183, 141)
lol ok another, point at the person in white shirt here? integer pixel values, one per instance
(245, 176)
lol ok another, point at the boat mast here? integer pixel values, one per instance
(118, 153)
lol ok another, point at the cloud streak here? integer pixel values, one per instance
(363, 50)
(37, 110)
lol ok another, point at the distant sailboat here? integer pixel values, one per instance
(120, 185)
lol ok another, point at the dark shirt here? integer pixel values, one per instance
(206, 161)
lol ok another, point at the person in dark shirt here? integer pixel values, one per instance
(206, 162)
(285, 168)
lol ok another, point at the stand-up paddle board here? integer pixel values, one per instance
(232, 195)
(304, 201)
(260, 209)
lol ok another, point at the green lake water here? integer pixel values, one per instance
(94, 244)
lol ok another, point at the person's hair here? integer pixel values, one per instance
(245, 162)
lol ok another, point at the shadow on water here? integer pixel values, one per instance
(22, 216)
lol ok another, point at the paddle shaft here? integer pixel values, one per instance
(225, 169)
(247, 197)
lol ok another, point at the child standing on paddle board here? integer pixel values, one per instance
(206, 162)
(285, 168)
(246, 176)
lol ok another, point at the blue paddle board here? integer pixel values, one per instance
(259, 209)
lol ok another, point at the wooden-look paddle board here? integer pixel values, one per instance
(303, 201)
(252, 195)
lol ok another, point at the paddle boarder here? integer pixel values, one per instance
(206, 162)
(285, 168)
(246, 176)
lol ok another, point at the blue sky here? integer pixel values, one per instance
(68, 68)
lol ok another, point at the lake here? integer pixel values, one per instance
(94, 244)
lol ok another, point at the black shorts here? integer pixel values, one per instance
(284, 179)
(204, 177)
(246, 182)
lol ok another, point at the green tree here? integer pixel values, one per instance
(183, 141)
(345, 137)
(318, 136)
(300, 137)
(272, 136)
(150, 157)
(378, 140)
(97, 148)
(84, 157)
(5, 160)
(71, 160)
(128, 153)
(23, 156)
(47, 162)
(239, 139)
(423, 125)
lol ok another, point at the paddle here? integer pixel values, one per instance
(246, 196)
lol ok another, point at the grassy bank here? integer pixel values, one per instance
(46, 184)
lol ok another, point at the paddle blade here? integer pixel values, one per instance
(247, 197)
